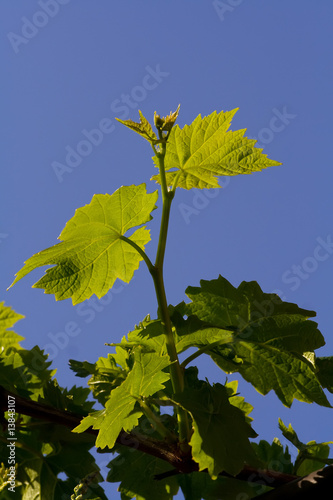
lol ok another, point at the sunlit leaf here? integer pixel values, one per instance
(143, 128)
(93, 254)
(201, 152)
(145, 379)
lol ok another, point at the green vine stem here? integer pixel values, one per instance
(176, 372)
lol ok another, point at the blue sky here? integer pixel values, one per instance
(74, 66)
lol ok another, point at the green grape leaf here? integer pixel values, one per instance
(26, 371)
(273, 456)
(291, 435)
(201, 152)
(45, 450)
(73, 400)
(220, 441)
(193, 332)
(145, 379)
(269, 339)
(40, 465)
(94, 253)
(136, 470)
(23, 371)
(150, 335)
(316, 457)
(324, 367)
(81, 368)
(8, 338)
(238, 401)
(8, 317)
(143, 128)
(106, 375)
(311, 456)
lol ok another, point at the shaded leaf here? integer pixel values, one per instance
(220, 441)
(105, 375)
(269, 338)
(46, 450)
(38, 471)
(311, 456)
(200, 486)
(324, 367)
(238, 401)
(316, 457)
(193, 332)
(273, 456)
(136, 470)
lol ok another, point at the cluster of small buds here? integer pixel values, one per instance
(166, 123)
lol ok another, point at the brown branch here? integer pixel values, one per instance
(169, 453)
(318, 484)
(70, 420)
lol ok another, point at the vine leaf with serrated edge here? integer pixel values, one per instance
(220, 440)
(145, 379)
(94, 253)
(324, 367)
(8, 318)
(44, 450)
(143, 128)
(137, 478)
(269, 339)
(272, 456)
(311, 456)
(201, 152)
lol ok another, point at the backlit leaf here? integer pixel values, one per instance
(24, 371)
(201, 152)
(143, 128)
(145, 379)
(93, 254)
(8, 338)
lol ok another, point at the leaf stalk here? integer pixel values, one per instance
(200, 351)
(140, 251)
(156, 423)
